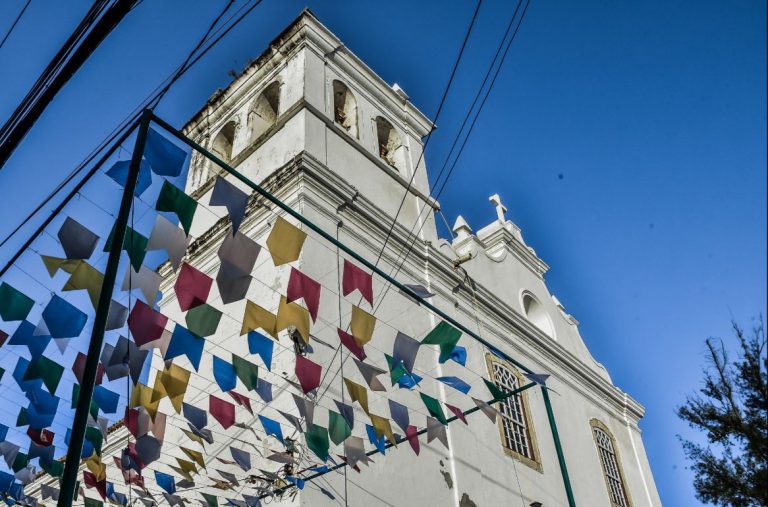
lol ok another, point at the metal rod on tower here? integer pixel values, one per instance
(72, 465)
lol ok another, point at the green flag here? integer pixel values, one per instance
(203, 320)
(92, 502)
(317, 441)
(23, 418)
(94, 409)
(434, 407)
(20, 462)
(494, 389)
(174, 199)
(49, 371)
(338, 428)
(54, 468)
(14, 305)
(133, 243)
(444, 335)
(246, 371)
(211, 500)
(94, 436)
(396, 373)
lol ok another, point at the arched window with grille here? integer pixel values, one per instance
(515, 426)
(611, 464)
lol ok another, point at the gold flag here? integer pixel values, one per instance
(285, 241)
(358, 393)
(362, 325)
(291, 314)
(256, 317)
(195, 456)
(382, 427)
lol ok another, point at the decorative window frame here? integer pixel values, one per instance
(535, 462)
(596, 423)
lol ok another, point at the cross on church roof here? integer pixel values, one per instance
(500, 208)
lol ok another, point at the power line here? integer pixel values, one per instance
(429, 136)
(13, 25)
(122, 128)
(88, 35)
(410, 243)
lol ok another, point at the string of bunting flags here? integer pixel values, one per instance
(303, 435)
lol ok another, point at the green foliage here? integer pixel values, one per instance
(731, 409)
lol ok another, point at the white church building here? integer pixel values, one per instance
(314, 125)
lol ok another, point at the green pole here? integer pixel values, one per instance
(277, 202)
(558, 447)
(72, 464)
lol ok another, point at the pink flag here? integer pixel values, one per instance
(349, 341)
(241, 400)
(145, 324)
(301, 286)
(222, 411)
(412, 434)
(356, 278)
(308, 374)
(192, 287)
(458, 413)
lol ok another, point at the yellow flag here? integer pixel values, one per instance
(141, 396)
(187, 466)
(195, 456)
(96, 467)
(83, 276)
(285, 241)
(256, 317)
(183, 473)
(291, 314)
(358, 393)
(172, 382)
(193, 437)
(362, 325)
(382, 427)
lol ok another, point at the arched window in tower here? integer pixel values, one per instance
(515, 426)
(609, 460)
(264, 111)
(390, 145)
(344, 108)
(222, 143)
(535, 312)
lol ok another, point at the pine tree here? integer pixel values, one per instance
(731, 409)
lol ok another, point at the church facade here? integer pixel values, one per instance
(316, 127)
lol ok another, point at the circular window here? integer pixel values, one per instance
(536, 313)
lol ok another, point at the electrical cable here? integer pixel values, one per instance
(13, 25)
(160, 92)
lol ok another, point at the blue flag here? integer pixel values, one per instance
(261, 345)
(272, 427)
(224, 374)
(185, 343)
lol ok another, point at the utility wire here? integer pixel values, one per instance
(429, 136)
(13, 25)
(410, 243)
(153, 98)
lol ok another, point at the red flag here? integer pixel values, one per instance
(412, 434)
(241, 400)
(356, 278)
(43, 438)
(301, 286)
(79, 365)
(308, 373)
(458, 413)
(90, 480)
(145, 324)
(349, 341)
(192, 287)
(222, 411)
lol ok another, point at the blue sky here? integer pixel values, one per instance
(652, 112)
